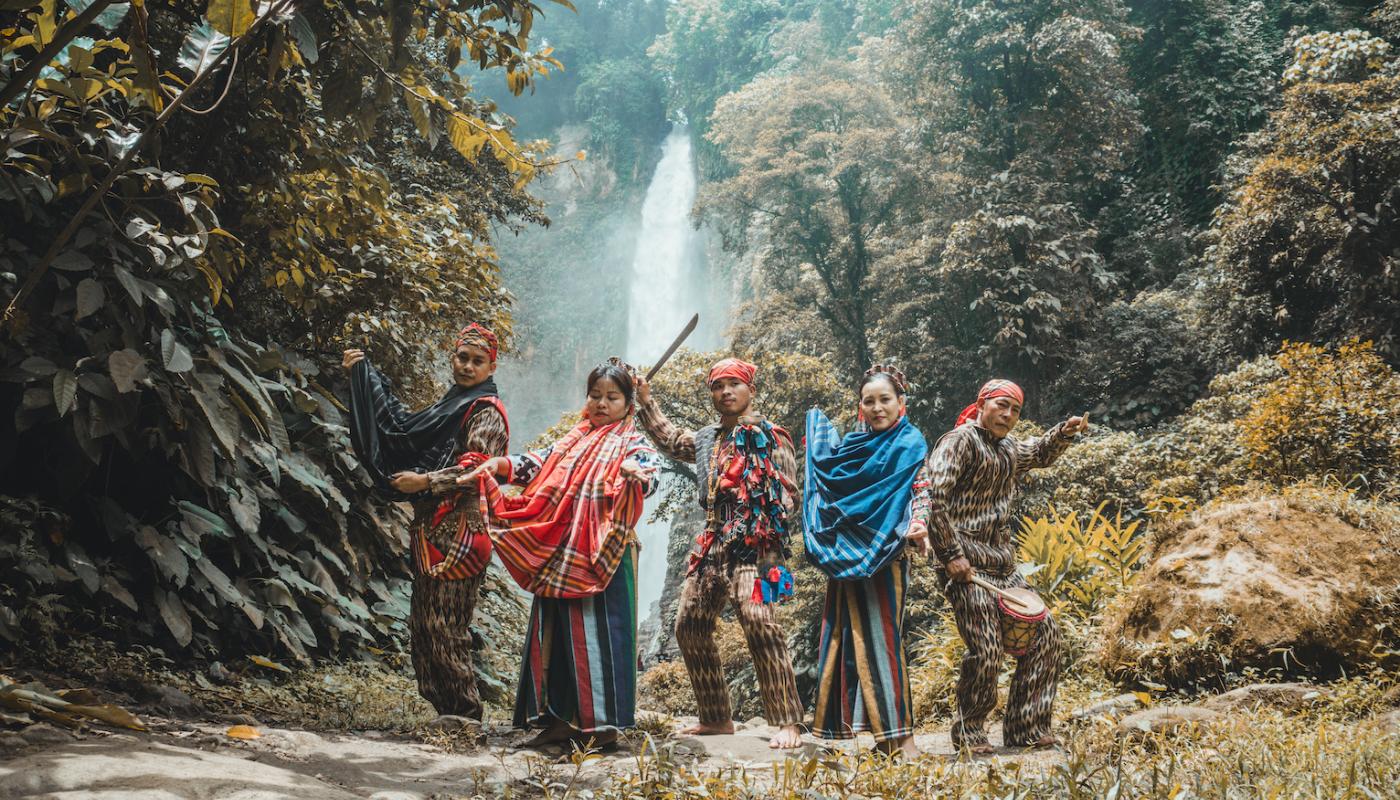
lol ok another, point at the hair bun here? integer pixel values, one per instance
(894, 373)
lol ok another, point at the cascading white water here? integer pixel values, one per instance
(663, 297)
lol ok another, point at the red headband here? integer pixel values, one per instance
(732, 368)
(478, 336)
(997, 387)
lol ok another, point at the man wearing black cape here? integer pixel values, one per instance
(417, 457)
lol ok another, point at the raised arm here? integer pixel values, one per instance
(673, 442)
(647, 459)
(785, 461)
(1044, 449)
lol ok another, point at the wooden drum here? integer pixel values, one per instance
(1021, 614)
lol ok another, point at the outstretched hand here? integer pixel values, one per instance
(492, 466)
(409, 482)
(1077, 425)
(643, 388)
(634, 471)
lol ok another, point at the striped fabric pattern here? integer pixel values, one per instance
(856, 507)
(565, 535)
(864, 683)
(580, 659)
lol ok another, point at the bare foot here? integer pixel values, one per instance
(1048, 740)
(983, 749)
(902, 747)
(787, 738)
(558, 731)
(707, 729)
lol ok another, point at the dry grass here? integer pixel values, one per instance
(1264, 754)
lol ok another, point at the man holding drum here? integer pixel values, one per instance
(972, 479)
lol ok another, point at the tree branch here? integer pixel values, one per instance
(121, 166)
(61, 40)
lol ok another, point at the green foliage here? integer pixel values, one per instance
(1219, 59)
(816, 170)
(211, 503)
(1332, 414)
(1330, 57)
(1305, 245)
(625, 112)
(1080, 566)
(1139, 363)
(1184, 461)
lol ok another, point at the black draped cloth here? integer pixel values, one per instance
(389, 438)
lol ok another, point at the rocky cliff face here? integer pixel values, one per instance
(656, 636)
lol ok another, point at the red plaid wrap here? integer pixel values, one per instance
(566, 534)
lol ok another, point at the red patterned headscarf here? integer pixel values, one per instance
(732, 368)
(478, 336)
(997, 387)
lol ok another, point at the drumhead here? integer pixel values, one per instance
(1028, 606)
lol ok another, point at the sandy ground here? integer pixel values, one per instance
(196, 760)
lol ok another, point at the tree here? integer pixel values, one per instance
(1031, 116)
(816, 175)
(168, 220)
(1306, 245)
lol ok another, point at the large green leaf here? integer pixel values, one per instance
(108, 18)
(164, 553)
(231, 17)
(111, 586)
(176, 618)
(305, 37)
(90, 297)
(202, 46)
(128, 368)
(65, 390)
(267, 412)
(203, 521)
(173, 353)
(208, 393)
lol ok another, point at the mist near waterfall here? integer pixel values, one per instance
(618, 272)
(669, 282)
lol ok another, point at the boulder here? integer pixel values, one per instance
(172, 701)
(1271, 583)
(1292, 697)
(44, 733)
(1166, 719)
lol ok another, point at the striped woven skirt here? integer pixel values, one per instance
(580, 660)
(864, 677)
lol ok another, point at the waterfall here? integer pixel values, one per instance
(667, 280)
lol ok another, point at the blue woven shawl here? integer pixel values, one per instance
(856, 503)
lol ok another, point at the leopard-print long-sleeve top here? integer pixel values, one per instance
(966, 504)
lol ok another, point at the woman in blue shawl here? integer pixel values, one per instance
(858, 530)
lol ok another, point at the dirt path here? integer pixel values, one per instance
(179, 760)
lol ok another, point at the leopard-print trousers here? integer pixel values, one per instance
(1032, 696)
(439, 623)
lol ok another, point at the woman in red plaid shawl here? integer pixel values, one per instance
(569, 538)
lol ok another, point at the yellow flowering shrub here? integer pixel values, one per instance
(1333, 414)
